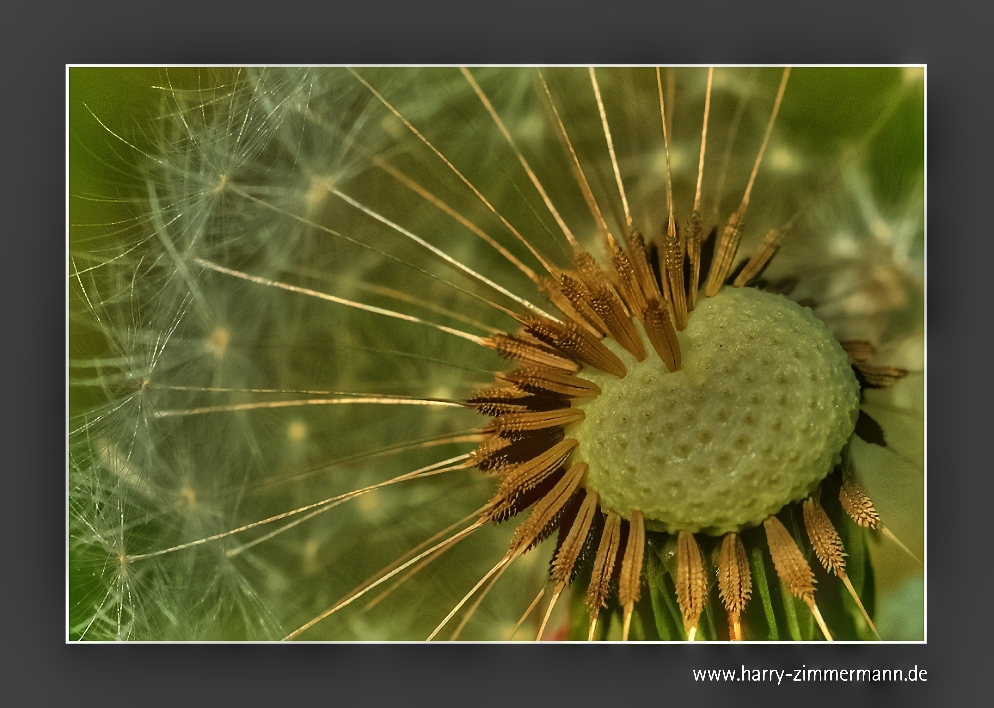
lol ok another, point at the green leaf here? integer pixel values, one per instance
(761, 587)
(669, 622)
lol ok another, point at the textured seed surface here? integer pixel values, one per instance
(755, 418)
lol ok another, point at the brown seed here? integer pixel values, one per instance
(856, 503)
(734, 581)
(787, 558)
(824, 538)
(691, 585)
(572, 545)
(607, 553)
(546, 509)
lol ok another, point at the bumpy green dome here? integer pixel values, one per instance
(755, 418)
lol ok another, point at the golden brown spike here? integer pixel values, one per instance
(662, 336)
(603, 298)
(569, 551)
(549, 286)
(535, 420)
(552, 291)
(495, 401)
(536, 377)
(790, 564)
(528, 352)
(527, 475)
(494, 408)
(734, 582)
(793, 570)
(673, 248)
(600, 579)
(640, 263)
(607, 304)
(546, 509)
(694, 240)
(579, 298)
(760, 257)
(671, 274)
(631, 570)
(828, 547)
(856, 504)
(725, 253)
(588, 270)
(824, 538)
(691, 585)
(631, 291)
(577, 343)
(673, 257)
(492, 444)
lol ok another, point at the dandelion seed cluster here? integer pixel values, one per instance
(274, 337)
(755, 418)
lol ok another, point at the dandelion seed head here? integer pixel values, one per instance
(754, 420)
(201, 451)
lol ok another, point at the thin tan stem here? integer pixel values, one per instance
(548, 612)
(581, 178)
(610, 147)
(704, 141)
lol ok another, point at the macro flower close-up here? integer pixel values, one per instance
(493, 354)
